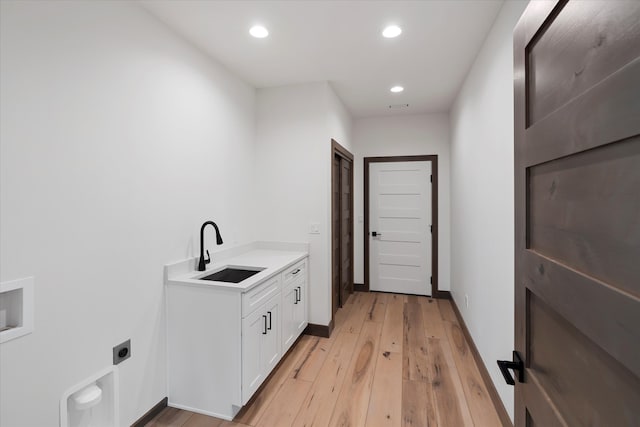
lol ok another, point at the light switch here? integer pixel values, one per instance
(314, 228)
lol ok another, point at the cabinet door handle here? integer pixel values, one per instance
(269, 313)
(264, 317)
(297, 270)
(296, 298)
(299, 294)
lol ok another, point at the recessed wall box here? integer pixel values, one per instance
(16, 308)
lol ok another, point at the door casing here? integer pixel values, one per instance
(435, 292)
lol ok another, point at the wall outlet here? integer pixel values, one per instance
(314, 228)
(122, 352)
(466, 300)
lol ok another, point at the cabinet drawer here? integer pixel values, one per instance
(295, 272)
(260, 294)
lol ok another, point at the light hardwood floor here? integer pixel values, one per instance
(392, 360)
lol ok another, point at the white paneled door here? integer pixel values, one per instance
(400, 227)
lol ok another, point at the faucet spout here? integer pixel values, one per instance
(202, 264)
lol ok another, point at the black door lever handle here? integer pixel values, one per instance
(517, 365)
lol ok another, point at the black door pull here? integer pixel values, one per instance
(264, 332)
(517, 365)
(269, 313)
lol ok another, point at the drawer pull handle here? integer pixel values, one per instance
(269, 313)
(299, 294)
(297, 270)
(296, 298)
(264, 317)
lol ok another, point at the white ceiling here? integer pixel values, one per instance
(341, 42)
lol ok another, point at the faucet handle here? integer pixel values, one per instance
(208, 260)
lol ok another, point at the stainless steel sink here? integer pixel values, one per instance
(232, 274)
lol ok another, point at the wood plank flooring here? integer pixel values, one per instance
(392, 360)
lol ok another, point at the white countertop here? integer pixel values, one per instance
(255, 255)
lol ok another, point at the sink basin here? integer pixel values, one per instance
(232, 275)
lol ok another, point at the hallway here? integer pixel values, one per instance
(392, 360)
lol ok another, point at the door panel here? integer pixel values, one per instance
(407, 224)
(580, 385)
(400, 214)
(600, 312)
(288, 317)
(346, 234)
(342, 225)
(570, 205)
(272, 350)
(586, 43)
(300, 309)
(335, 235)
(577, 192)
(614, 119)
(252, 367)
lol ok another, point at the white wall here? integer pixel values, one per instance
(117, 141)
(482, 250)
(340, 124)
(294, 128)
(403, 136)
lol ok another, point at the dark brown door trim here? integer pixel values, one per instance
(338, 150)
(434, 215)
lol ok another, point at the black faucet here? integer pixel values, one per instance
(202, 265)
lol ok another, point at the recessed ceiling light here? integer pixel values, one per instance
(258, 31)
(391, 31)
(397, 89)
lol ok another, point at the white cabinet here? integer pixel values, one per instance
(261, 345)
(223, 343)
(294, 303)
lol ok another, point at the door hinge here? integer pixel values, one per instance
(431, 280)
(430, 178)
(431, 228)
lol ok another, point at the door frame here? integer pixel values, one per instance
(339, 150)
(433, 158)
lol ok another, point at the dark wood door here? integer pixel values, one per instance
(346, 230)
(341, 225)
(335, 228)
(577, 195)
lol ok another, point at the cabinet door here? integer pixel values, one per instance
(253, 336)
(289, 298)
(300, 309)
(272, 341)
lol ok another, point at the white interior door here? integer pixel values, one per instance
(400, 216)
